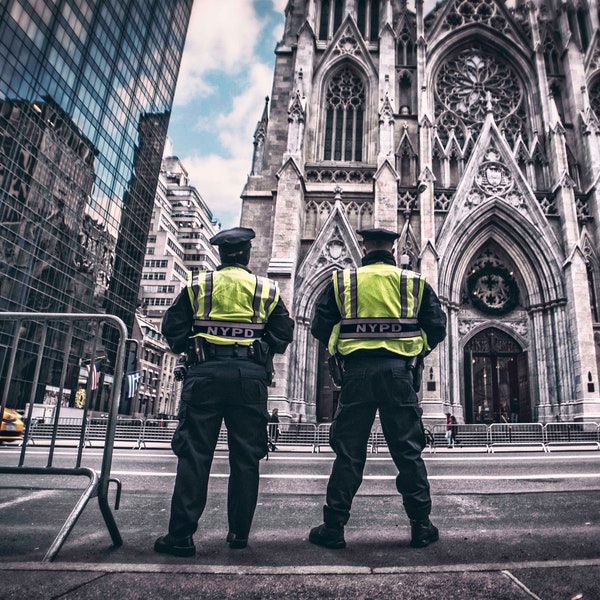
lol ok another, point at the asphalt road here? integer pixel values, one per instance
(512, 525)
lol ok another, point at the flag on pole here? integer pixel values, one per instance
(133, 380)
(93, 371)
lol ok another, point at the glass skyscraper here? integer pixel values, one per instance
(86, 88)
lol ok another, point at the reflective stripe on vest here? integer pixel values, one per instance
(379, 305)
(231, 305)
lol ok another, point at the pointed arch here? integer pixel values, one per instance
(406, 161)
(405, 92)
(366, 216)
(335, 247)
(345, 104)
(592, 263)
(406, 42)
(541, 175)
(531, 253)
(512, 217)
(346, 50)
(353, 214)
(324, 212)
(311, 212)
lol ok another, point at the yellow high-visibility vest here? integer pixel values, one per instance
(379, 305)
(231, 305)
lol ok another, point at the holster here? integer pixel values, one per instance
(261, 353)
(336, 370)
(416, 365)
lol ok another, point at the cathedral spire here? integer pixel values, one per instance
(387, 17)
(260, 134)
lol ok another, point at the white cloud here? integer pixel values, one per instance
(219, 179)
(238, 125)
(220, 182)
(221, 37)
(279, 5)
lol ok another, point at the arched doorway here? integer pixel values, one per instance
(495, 374)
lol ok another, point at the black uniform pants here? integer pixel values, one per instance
(234, 390)
(370, 384)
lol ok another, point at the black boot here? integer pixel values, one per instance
(423, 533)
(167, 544)
(235, 542)
(329, 537)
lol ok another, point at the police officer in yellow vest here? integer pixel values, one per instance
(377, 319)
(230, 322)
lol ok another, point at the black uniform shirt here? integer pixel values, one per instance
(178, 321)
(431, 317)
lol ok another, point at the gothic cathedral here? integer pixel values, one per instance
(472, 128)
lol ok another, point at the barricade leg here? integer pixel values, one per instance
(111, 524)
(68, 525)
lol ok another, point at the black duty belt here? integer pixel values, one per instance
(228, 350)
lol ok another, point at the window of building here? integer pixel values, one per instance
(344, 118)
(367, 18)
(330, 18)
(592, 288)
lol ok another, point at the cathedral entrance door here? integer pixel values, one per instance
(495, 374)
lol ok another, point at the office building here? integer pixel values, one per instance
(86, 90)
(178, 244)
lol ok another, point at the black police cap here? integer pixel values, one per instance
(382, 235)
(235, 239)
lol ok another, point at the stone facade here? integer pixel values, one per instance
(473, 131)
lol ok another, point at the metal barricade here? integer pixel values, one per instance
(471, 436)
(41, 431)
(127, 430)
(516, 434)
(322, 436)
(438, 433)
(55, 337)
(376, 439)
(157, 431)
(298, 435)
(571, 434)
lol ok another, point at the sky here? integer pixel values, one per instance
(226, 72)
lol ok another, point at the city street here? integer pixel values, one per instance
(530, 516)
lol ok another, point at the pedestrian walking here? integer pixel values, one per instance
(515, 409)
(449, 431)
(273, 429)
(230, 322)
(378, 320)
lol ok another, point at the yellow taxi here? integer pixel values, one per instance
(12, 427)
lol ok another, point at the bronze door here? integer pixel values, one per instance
(495, 373)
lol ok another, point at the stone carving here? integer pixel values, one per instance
(347, 44)
(494, 180)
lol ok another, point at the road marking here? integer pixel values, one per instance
(520, 584)
(303, 457)
(309, 476)
(28, 498)
(291, 569)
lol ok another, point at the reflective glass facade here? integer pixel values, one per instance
(86, 88)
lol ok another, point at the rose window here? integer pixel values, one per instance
(463, 85)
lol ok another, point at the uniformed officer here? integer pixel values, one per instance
(233, 321)
(377, 319)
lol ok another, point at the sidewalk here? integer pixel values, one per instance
(293, 569)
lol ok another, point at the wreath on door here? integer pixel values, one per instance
(493, 290)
